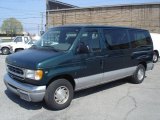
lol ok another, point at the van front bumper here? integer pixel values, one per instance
(26, 92)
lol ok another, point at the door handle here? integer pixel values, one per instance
(101, 64)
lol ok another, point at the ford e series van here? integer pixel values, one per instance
(71, 58)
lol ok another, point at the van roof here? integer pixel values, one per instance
(98, 26)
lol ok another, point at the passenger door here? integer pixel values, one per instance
(91, 72)
(117, 58)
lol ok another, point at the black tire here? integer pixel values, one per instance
(135, 78)
(155, 57)
(5, 51)
(50, 96)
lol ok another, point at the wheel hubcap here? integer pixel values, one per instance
(61, 95)
(140, 74)
(5, 51)
(155, 57)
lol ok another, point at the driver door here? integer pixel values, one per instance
(91, 72)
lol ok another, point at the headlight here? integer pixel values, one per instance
(35, 75)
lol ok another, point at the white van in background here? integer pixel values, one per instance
(156, 45)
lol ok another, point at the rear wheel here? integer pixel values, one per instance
(59, 94)
(5, 51)
(155, 57)
(138, 75)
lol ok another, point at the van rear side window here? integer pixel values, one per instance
(139, 38)
(116, 39)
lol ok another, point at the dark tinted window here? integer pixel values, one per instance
(116, 39)
(90, 37)
(139, 38)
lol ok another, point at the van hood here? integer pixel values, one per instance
(30, 58)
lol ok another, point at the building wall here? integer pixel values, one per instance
(140, 16)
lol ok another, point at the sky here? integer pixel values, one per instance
(29, 12)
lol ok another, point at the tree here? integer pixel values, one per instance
(12, 26)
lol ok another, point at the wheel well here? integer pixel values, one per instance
(19, 49)
(156, 52)
(4, 47)
(67, 77)
(144, 64)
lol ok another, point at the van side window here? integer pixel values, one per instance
(90, 37)
(139, 38)
(116, 39)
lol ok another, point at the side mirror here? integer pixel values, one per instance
(41, 33)
(82, 48)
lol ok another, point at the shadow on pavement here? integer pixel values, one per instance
(22, 103)
(82, 93)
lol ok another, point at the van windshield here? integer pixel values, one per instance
(59, 39)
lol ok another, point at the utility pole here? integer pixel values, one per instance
(38, 30)
(41, 21)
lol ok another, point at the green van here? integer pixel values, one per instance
(72, 58)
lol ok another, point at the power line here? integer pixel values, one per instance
(1, 7)
(21, 18)
(21, 11)
(21, 15)
(27, 23)
(30, 28)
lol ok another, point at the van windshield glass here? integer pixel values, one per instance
(60, 39)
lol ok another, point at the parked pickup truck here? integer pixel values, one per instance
(21, 46)
(19, 43)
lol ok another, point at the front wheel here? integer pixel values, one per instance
(138, 75)
(59, 94)
(5, 51)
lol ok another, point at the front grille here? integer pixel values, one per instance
(15, 77)
(15, 72)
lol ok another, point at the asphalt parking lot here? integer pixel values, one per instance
(118, 100)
